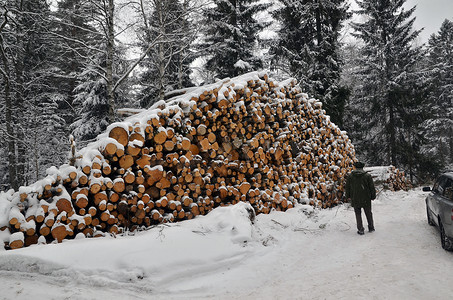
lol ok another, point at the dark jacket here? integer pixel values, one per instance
(360, 188)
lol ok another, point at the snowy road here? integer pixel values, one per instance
(300, 254)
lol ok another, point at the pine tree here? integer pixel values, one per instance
(27, 52)
(438, 129)
(231, 37)
(92, 106)
(167, 63)
(98, 68)
(74, 37)
(308, 49)
(387, 95)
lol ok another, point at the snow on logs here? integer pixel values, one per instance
(241, 139)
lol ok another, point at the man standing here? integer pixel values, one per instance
(360, 190)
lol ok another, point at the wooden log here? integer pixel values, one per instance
(161, 136)
(65, 205)
(120, 135)
(143, 161)
(16, 240)
(59, 232)
(185, 144)
(129, 177)
(126, 161)
(154, 174)
(110, 149)
(119, 185)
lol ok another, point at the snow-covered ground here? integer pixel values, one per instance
(301, 254)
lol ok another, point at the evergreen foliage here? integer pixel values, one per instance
(33, 97)
(167, 64)
(87, 34)
(74, 35)
(385, 118)
(231, 37)
(308, 48)
(438, 128)
(82, 64)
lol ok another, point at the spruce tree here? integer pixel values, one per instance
(98, 68)
(386, 98)
(231, 37)
(27, 62)
(74, 35)
(308, 49)
(41, 93)
(438, 129)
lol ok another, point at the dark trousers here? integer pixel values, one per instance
(369, 218)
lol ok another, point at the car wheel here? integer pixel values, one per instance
(430, 220)
(444, 239)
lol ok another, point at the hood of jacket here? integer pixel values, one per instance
(358, 172)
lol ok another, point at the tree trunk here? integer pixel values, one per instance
(318, 23)
(109, 62)
(8, 118)
(161, 54)
(19, 102)
(12, 171)
(451, 144)
(392, 133)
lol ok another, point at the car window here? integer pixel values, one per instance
(448, 189)
(440, 185)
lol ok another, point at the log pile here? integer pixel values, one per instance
(397, 180)
(243, 139)
(389, 178)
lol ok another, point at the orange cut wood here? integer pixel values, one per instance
(83, 179)
(44, 230)
(154, 175)
(16, 244)
(120, 135)
(143, 161)
(185, 144)
(81, 201)
(194, 149)
(133, 150)
(99, 197)
(105, 215)
(110, 149)
(169, 145)
(160, 137)
(129, 177)
(64, 205)
(244, 188)
(137, 137)
(95, 187)
(205, 145)
(126, 161)
(59, 232)
(211, 137)
(163, 183)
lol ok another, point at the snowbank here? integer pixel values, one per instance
(304, 253)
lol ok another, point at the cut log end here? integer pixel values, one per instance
(120, 135)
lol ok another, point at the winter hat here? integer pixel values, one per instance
(359, 164)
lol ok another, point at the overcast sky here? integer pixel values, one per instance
(429, 15)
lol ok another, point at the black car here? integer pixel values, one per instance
(439, 208)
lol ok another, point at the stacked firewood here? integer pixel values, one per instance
(397, 180)
(244, 139)
(389, 178)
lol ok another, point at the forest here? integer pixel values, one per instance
(69, 67)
